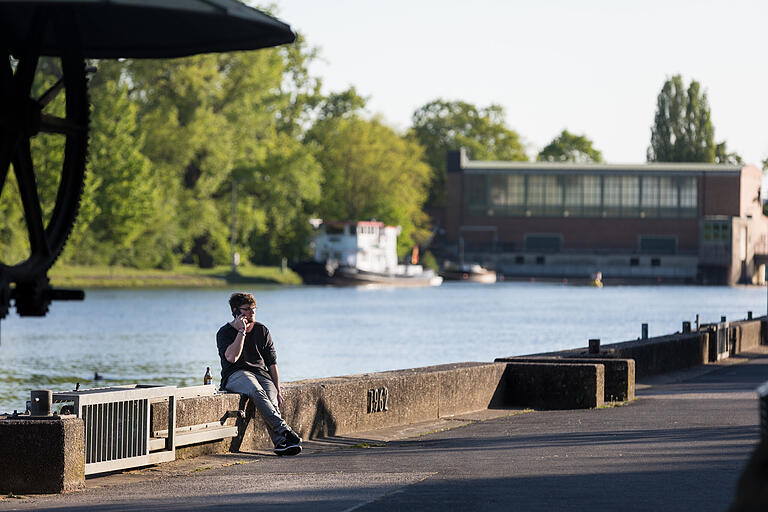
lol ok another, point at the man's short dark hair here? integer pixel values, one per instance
(239, 299)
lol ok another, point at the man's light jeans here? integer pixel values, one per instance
(263, 393)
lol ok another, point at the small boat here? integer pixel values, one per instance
(360, 253)
(468, 272)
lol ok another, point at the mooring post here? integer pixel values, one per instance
(698, 324)
(41, 402)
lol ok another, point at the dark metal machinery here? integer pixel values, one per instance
(73, 31)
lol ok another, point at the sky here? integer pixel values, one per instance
(593, 67)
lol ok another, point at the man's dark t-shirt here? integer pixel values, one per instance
(258, 351)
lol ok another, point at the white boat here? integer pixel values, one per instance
(469, 272)
(360, 253)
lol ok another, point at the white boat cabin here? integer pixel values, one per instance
(367, 246)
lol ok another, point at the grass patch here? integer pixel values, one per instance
(202, 469)
(370, 445)
(611, 405)
(15, 496)
(186, 276)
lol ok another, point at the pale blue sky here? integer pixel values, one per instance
(593, 67)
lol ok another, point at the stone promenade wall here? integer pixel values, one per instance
(42, 455)
(48, 455)
(677, 351)
(353, 403)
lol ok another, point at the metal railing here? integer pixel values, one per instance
(117, 425)
(720, 346)
(118, 430)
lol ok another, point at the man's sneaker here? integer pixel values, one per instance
(292, 437)
(286, 448)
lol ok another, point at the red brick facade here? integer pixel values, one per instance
(692, 217)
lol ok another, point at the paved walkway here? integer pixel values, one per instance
(680, 446)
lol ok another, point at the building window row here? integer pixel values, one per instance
(581, 195)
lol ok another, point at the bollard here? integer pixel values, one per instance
(686, 327)
(40, 402)
(698, 324)
(722, 318)
(645, 331)
(749, 315)
(594, 346)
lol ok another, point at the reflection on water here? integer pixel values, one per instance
(167, 336)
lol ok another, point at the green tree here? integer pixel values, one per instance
(123, 194)
(168, 139)
(371, 172)
(276, 196)
(568, 147)
(682, 130)
(722, 156)
(441, 126)
(204, 117)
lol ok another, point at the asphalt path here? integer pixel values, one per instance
(680, 446)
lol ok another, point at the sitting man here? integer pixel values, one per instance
(249, 367)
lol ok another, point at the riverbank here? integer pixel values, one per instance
(680, 446)
(183, 276)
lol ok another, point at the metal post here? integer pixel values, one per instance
(698, 323)
(645, 331)
(40, 402)
(749, 315)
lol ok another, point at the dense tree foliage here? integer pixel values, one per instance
(176, 143)
(722, 156)
(441, 126)
(168, 140)
(682, 130)
(371, 172)
(568, 147)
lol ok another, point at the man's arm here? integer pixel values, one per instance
(276, 381)
(235, 348)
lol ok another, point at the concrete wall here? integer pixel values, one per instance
(676, 351)
(554, 385)
(750, 335)
(42, 455)
(353, 403)
(619, 385)
(654, 355)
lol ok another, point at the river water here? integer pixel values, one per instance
(167, 336)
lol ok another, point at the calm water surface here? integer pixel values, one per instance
(167, 336)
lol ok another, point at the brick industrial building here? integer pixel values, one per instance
(681, 222)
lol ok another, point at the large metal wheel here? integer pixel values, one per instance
(22, 118)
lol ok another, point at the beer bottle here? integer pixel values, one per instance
(208, 378)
